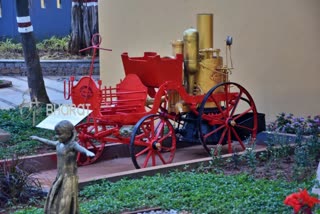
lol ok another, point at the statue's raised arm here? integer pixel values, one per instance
(43, 140)
(83, 150)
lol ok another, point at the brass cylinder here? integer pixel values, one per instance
(177, 47)
(191, 57)
(208, 75)
(205, 29)
(173, 96)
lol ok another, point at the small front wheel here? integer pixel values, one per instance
(87, 138)
(153, 142)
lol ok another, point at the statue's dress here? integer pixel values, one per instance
(63, 195)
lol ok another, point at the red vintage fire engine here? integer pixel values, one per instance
(166, 100)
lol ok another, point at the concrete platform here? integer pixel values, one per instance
(118, 168)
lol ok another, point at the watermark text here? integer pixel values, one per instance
(67, 109)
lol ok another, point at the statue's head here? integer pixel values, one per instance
(64, 130)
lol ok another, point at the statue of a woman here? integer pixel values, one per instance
(63, 195)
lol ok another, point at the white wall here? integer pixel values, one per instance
(275, 51)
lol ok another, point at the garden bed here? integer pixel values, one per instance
(290, 161)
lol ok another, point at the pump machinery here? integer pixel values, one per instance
(162, 101)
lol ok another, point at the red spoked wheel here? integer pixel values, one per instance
(227, 114)
(88, 136)
(153, 142)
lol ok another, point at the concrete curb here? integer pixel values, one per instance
(49, 67)
(162, 169)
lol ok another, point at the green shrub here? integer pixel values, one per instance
(19, 122)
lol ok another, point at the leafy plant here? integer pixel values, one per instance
(10, 45)
(54, 44)
(250, 157)
(288, 123)
(17, 186)
(235, 160)
(217, 161)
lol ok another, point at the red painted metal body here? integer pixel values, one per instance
(154, 70)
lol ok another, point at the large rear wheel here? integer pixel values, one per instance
(227, 115)
(153, 142)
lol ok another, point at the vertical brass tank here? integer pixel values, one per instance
(191, 58)
(210, 59)
(205, 29)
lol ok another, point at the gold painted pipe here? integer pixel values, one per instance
(205, 29)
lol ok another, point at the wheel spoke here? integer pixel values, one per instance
(140, 140)
(164, 137)
(145, 163)
(238, 138)
(217, 104)
(142, 152)
(222, 136)
(161, 157)
(153, 158)
(243, 113)
(244, 127)
(212, 132)
(93, 145)
(229, 141)
(236, 104)
(159, 129)
(226, 91)
(166, 149)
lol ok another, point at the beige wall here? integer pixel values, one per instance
(275, 51)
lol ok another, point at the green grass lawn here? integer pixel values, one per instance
(190, 191)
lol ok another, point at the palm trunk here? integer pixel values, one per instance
(35, 78)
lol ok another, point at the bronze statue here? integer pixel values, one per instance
(63, 195)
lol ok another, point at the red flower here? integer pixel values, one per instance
(308, 200)
(300, 199)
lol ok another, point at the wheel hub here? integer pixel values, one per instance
(231, 122)
(156, 145)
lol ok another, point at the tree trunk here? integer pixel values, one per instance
(35, 79)
(84, 23)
